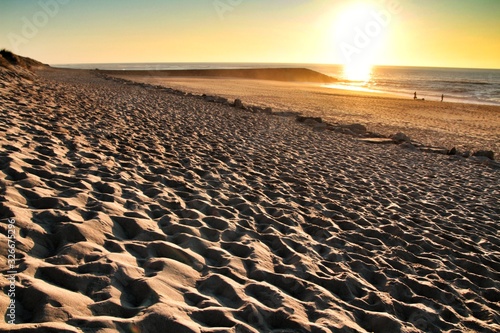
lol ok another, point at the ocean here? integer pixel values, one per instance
(479, 86)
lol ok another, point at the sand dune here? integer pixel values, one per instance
(138, 210)
(273, 74)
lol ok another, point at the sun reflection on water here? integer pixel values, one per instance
(356, 72)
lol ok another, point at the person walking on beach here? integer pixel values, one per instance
(415, 95)
(442, 97)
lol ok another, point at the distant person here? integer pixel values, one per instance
(442, 97)
(415, 95)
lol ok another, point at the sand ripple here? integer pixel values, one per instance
(143, 211)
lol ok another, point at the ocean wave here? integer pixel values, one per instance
(480, 83)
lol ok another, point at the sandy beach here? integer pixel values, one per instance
(467, 127)
(137, 209)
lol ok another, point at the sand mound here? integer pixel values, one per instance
(14, 65)
(9, 59)
(142, 211)
(273, 74)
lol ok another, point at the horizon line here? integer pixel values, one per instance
(264, 63)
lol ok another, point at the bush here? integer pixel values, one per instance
(9, 56)
(3, 62)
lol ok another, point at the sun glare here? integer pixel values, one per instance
(357, 72)
(358, 35)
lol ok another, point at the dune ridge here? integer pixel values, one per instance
(274, 74)
(140, 210)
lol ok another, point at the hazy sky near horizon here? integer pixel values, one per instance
(442, 33)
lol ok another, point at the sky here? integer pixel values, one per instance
(435, 33)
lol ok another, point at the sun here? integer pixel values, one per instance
(358, 37)
(357, 71)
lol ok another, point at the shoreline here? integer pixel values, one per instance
(408, 95)
(334, 71)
